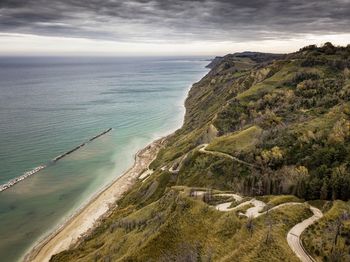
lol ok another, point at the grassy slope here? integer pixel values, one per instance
(297, 106)
(239, 141)
(177, 227)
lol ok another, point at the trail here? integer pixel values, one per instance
(293, 236)
(203, 149)
(180, 164)
(251, 212)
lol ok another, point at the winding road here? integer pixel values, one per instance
(293, 236)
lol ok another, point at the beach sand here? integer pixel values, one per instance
(88, 217)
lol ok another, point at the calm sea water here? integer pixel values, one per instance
(50, 105)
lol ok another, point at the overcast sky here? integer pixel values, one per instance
(169, 27)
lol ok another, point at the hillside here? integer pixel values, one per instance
(272, 127)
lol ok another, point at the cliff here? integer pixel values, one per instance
(273, 127)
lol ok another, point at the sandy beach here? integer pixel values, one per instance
(88, 216)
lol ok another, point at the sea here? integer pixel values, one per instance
(49, 105)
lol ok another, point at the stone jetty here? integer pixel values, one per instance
(20, 178)
(27, 174)
(81, 145)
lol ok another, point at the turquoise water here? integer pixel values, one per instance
(50, 105)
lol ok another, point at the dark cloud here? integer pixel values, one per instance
(145, 20)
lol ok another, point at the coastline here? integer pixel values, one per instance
(84, 219)
(99, 206)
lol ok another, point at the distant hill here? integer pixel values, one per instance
(254, 56)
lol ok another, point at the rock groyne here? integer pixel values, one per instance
(27, 174)
(81, 145)
(14, 181)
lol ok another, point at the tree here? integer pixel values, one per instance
(324, 189)
(250, 225)
(269, 223)
(337, 252)
(329, 48)
(208, 195)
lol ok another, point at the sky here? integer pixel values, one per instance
(169, 27)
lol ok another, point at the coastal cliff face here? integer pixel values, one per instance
(273, 127)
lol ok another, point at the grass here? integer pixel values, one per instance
(322, 122)
(151, 190)
(243, 209)
(281, 199)
(322, 205)
(268, 84)
(255, 247)
(319, 238)
(177, 227)
(239, 141)
(178, 145)
(215, 200)
(207, 170)
(275, 200)
(236, 203)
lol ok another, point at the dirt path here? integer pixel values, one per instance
(293, 236)
(251, 212)
(217, 153)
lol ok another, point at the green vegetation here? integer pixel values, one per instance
(273, 201)
(239, 141)
(236, 203)
(278, 128)
(329, 238)
(177, 227)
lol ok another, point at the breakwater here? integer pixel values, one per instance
(81, 145)
(27, 174)
(14, 181)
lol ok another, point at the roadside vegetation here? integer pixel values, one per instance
(178, 227)
(329, 238)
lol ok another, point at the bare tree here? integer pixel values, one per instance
(208, 195)
(250, 226)
(269, 223)
(337, 227)
(338, 250)
(191, 192)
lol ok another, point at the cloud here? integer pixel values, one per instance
(175, 20)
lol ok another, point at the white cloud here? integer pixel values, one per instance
(27, 44)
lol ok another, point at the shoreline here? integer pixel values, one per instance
(50, 244)
(90, 214)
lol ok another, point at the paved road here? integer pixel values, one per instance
(293, 236)
(254, 211)
(251, 212)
